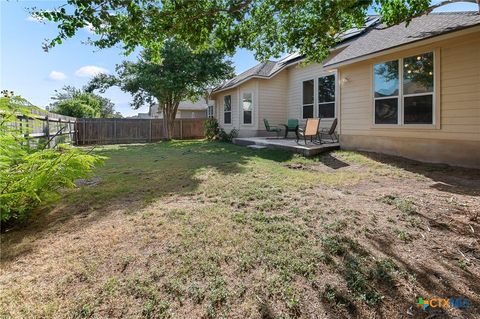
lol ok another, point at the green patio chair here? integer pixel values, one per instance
(269, 128)
(291, 126)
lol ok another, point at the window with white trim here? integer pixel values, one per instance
(210, 111)
(307, 101)
(326, 96)
(227, 109)
(247, 107)
(405, 95)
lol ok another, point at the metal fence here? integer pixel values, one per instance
(116, 131)
(42, 126)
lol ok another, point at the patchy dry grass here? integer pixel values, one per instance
(208, 230)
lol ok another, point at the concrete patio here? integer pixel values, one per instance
(289, 144)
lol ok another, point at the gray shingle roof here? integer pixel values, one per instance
(380, 38)
(261, 70)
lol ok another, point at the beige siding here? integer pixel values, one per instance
(273, 95)
(458, 93)
(248, 87)
(219, 108)
(296, 75)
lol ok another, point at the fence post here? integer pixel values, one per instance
(181, 129)
(115, 131)
(84, 131)
(150, 133)
(47, 131)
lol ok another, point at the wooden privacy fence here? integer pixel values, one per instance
(115, 131)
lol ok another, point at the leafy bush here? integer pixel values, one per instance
(31, 174)
(223, 136)
(211, 129)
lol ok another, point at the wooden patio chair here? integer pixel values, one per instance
(310, 130)
(291, 126)
(330, 132)
(269, 128)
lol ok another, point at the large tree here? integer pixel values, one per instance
(268, 27)
(82, 104)
(180, 74)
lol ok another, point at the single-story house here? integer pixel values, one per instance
(411, 91)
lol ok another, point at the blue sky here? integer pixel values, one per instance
(35, 74)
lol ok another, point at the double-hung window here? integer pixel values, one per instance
(307, 102)
(210, 110)
(404, 90)
(326, 96)
(227, 109)
(247, 107)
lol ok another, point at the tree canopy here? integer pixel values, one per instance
(268, 27)
(181, 74)
(79, 103)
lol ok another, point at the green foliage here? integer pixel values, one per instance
(267, 27)
(29, 175)
(223, 136)
(211, 128)
(181, 74)
(82, 104)
(405, 205)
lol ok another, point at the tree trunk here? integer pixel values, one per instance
(169, 118)
(171, 125)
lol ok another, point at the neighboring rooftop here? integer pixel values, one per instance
(381, 38)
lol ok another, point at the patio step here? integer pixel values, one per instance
(309, 149)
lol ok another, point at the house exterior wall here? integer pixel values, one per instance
(296, 75)
(269, 101)
(455, 137)
(273, 95)
(276, 99)
(219, 109)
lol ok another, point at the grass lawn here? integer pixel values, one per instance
(194, 229)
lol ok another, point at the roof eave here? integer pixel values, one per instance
(256, 77)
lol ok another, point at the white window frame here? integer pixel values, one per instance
(209, 110)
(314, 99)
(400, 97)
(334, 95)
(223, 113)
(241, 108)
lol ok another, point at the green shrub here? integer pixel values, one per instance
(227, 137)
(211, 129)
(31, 174)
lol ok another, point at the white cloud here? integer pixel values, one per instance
(57, 75)
(89, 71)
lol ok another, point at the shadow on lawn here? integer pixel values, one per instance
(429, 279)
(451, 179)
(132, 177)
(328, 160)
